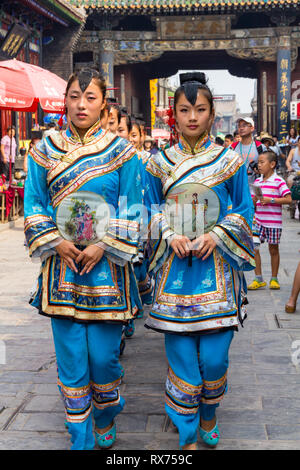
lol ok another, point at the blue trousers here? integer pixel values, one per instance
(89, 375)
(197, 379)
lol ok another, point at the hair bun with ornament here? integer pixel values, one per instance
(193, 77)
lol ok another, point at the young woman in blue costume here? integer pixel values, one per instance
(86, 284)
(125, 124)
(141, 267)
(199, 280)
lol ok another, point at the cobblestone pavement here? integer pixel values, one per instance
(260, 410)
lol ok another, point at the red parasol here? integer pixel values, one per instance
(23, 86)
(160, 134)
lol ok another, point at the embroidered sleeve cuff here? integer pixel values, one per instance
(234, 238)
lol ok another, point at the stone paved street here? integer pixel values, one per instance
(260, 411)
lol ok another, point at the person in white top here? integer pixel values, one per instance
(292, 138)
(293, 163)
(8, 153)
(248, 147)
(51, 129)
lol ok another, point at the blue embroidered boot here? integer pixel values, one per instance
(212, 437)
(129, 329)
(107, 439)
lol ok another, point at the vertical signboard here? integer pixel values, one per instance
(283, 92)
(107, 64)
(153, 99)
(13, 41)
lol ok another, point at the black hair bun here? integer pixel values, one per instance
(85, 76)
(198, 77)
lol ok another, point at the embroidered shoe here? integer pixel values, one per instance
(129, 329)
(212, 437)
(256, 285)
(274, 284)
(107, 439)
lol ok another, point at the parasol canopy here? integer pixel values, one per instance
(23, 86)
(160, 134)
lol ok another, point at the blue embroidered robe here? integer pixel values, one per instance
(104, 164)
(206, 295)
(141, 267)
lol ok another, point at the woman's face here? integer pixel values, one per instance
(84, 108)
(113, 120)
(292, 132)
(135, 137)
(123, 129)
(193, 120)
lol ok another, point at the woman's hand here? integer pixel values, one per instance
(89, 257)
(203, 246)
(181, 246)
(68, 252)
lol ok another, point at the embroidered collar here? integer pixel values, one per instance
(186, 148)
(90, 134)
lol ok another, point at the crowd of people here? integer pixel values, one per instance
(266, 160)
(121, 250)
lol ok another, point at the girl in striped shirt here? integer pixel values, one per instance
(268, 200)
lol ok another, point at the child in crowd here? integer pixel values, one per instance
(269, 193)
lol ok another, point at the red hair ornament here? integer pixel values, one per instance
(171, 123)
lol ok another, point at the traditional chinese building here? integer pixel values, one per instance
(134, 41)
(40, 32)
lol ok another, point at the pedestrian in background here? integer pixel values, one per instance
(290, 306)
(236, 136)
(141, 264)
(8, 153)
(86, 240)
(292, 138)
(248, 147)
(228, 140)
(269, 197)
(148, 143)
(195, 305)
(114, 117)
(32, 143)
(125, 124)
(51, 129)
(293, 163)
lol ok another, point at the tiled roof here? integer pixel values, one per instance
(71, 10)
(161, 6)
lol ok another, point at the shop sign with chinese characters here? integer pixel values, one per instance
(13, 41)
(283, 92)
